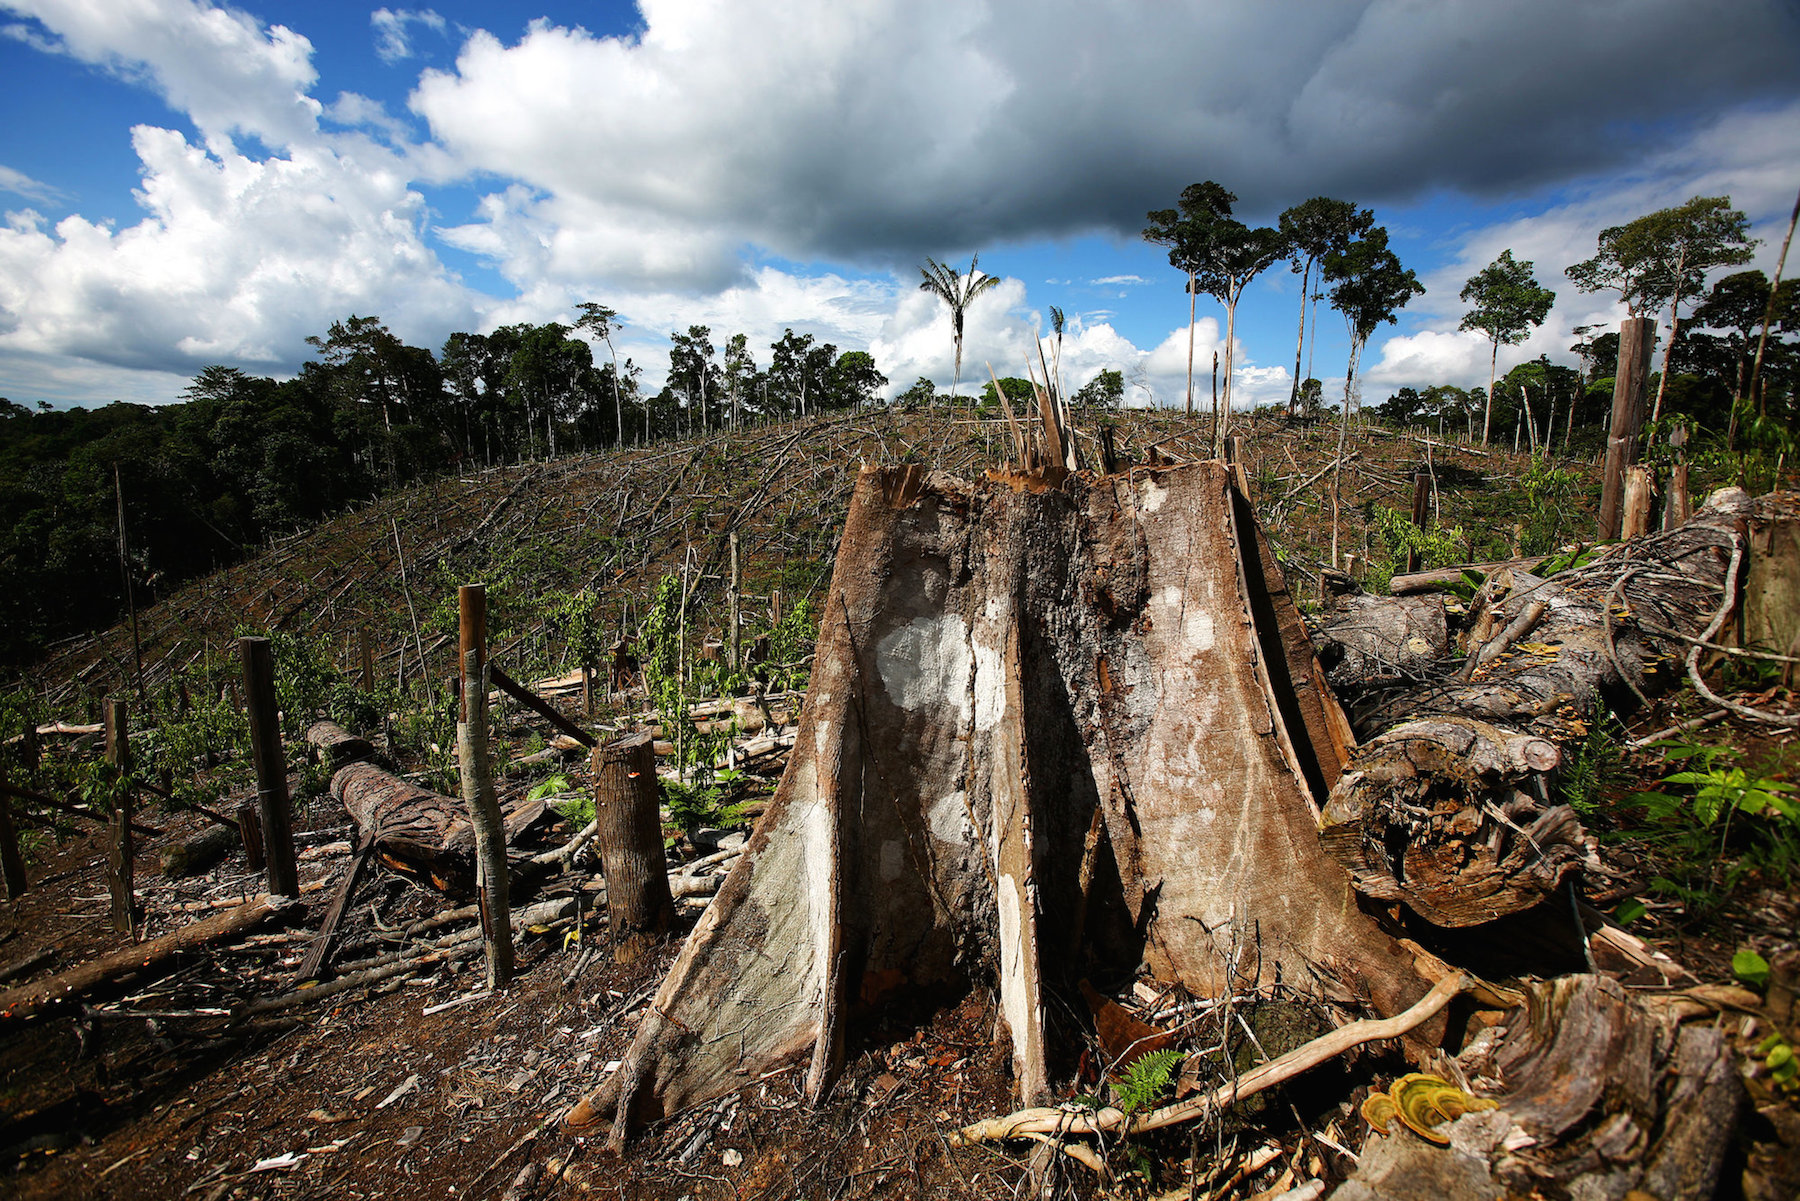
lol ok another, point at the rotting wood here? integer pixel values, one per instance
(59, 992)
(1117, 614)
(1601, 1098)
(1420, 581)
(1444, 808)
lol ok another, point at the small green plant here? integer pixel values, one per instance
(1146, 1080)
(1553, 504)
(1594, 768)
(693, 806)
(1724, 791)
(1437, 547)
(1750, 968)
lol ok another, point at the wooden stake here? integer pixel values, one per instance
(638, 903)
(1634, 522)
(120, 847)
(12, 863)
(1421, 508)
(491, 878)
(137, 649)
(250, 830)
(734, 659)
(366, 652)
(1637, 336)
(271, 766)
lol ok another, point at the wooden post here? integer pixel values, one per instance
(734, 657)
(1677, 506)
(120, 847)
(1421, 508)
(271, 766)
(12, 863)
(638, 902)
(250, 830)
(366, 651)
(491, 878)
(1637, 337)
(1634, 522)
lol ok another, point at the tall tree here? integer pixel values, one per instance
(1220, 255)
(1663, 258)
(958, 291)
(1314, 228)
(1187, 231)
(1369, 287)
(854, 380)
(1506, 303)
(740, 370)
(600, 321)
(1737, 304)
(692, 370)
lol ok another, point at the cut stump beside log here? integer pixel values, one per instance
(639, 905)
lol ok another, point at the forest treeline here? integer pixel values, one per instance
(95, 501)
(202, 481)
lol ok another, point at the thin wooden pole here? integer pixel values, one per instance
(137, 649)
(271, 766)
(1636, 336)
(366, 651)
(121, 848)
(733, 658)
(12, 863)
(491, 878)
(1421, 508)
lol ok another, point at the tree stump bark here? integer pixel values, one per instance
(1000, 670)
(638, 903)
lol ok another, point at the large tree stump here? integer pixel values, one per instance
(629, 835)
(999, 671)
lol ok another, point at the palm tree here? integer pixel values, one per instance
(957, 291)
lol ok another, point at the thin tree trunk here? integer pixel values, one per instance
(1230, 363)
(491, 876)
(1300, 338)
(1487, 418)
(1193, 301)
(1762, 341)
(1662, 382)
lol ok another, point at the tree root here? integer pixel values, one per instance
(1027, 1123)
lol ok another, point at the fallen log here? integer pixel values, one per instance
(1446, 806)
(417, 831)
(1423, 581)
(1002, 668)
(61, 991)
(338, 745)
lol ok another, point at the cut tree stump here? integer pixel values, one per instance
(1000, 670)
(629, 835)
(1447, 808)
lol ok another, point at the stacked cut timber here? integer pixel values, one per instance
(1447, 806)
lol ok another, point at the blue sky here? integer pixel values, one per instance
(185, 183)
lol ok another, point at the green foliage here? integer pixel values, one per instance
(1664, 256)
(692, 806)
(583, 626)
(1146, 1080)
(1594, 768)
(1780, 1062)
(1437, 547)
(1724, 823)
(1506, 302)
(1552, 506)
(789, 643)
(1106, 390)
(1750, 968)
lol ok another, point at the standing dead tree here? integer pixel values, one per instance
(1004, 669)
